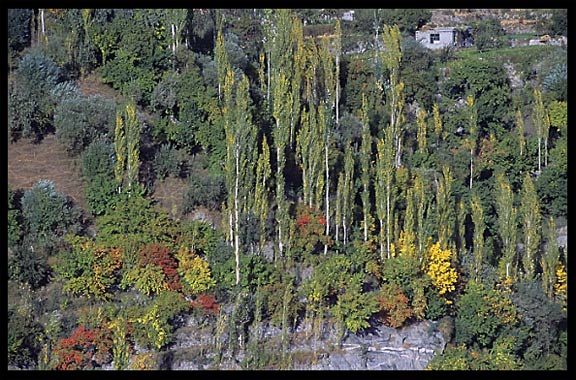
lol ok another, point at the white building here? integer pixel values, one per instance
(439, 38)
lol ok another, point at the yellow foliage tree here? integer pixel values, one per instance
(194, 272)
(561, 285)
(439, 269)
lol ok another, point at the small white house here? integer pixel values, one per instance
(439, 38)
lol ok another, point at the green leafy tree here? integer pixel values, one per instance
(14, 219)
(483, 314)
(79, 120)
(30, 103)
(47, 212)
(354, 308)
(488, 34)
(89, 269)
(23, 338)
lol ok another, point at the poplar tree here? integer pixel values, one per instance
(531, 224)
(392, 57)
(309, 152)
(120, 150)
(347, 193)
(299, 57)
(133, 130)
(365, 167)
(221, 58)
(263, 173)
(539, 118)
(240, 147)
(338, 53)
(472, 132)
(422, 126)
(520, 131)
(507, 226)
(461, 215)
(437, 123)
(383, 188)
(127, 146)
(478, 237)
(281, 132)
(409, 230)
(550, 259)
(445, 208)
(423, 204)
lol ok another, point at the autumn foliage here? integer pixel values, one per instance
(76, 352)
(394, 306)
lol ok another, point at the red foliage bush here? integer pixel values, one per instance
(207, 303)
(160, 255)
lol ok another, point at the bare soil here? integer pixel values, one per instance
(30, 162)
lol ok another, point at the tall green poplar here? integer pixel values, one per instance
(520, 132)
(281, 113)
(383, 188)
(347, 193)
(478, 237)
(262, 188)
(539, 118)
(240, 147)
(365, 165)
(133, 131)
(437, 123)
(119, 149)
(422, 126)
(392, 57)
(423, 204)
(507, 226)
(550, 258)
(472, 132)
(221, 58)
(445, 209)
(531, 224)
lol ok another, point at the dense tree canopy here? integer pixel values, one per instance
(326, 173)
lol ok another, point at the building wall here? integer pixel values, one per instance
(446, 38)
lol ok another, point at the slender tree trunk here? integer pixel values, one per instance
(236, 219)
(539, 155)
(471, 166)
(327, 195)
(388, 222)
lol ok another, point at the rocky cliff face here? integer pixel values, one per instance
(383, 348)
